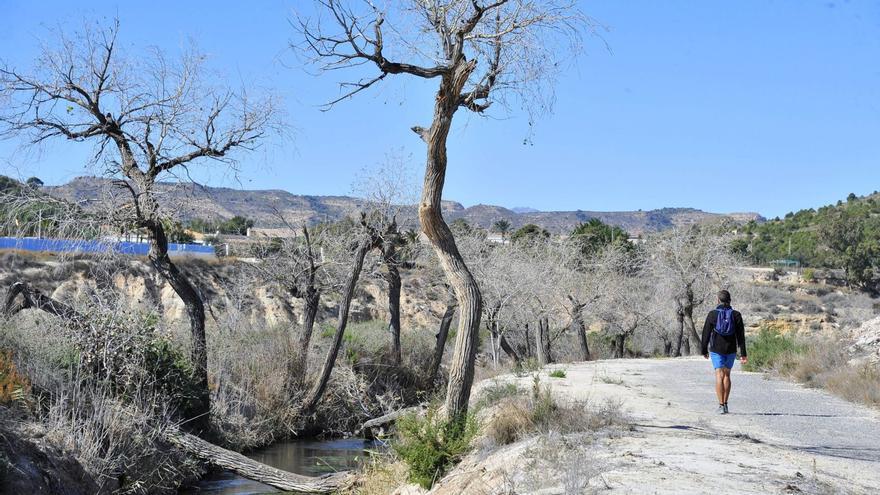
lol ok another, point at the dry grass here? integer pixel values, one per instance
(111, 425)
(380, 476)
(558, 461)
(819, 363)
(517, 416)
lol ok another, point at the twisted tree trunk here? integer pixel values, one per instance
(580, 329)
(693, 336)
(32, 298)
(461, 370)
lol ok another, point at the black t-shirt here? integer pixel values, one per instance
(724, 344)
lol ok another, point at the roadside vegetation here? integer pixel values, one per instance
(425, 446)
(819, 362)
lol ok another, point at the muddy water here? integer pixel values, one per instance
(308, 457)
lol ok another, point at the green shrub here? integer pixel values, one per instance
(772, 350)
(543, 405)
(430, 445)
(809, 275)
(560, 373)
(172, 372)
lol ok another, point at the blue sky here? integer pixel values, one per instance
(754, 105)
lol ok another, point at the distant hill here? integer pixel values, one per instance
(263, 206)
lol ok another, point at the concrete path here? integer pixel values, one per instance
(780, 438)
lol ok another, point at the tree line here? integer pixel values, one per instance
(843, 235)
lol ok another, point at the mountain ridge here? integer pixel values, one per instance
(191, 201)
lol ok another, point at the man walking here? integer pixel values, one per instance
(722, 332)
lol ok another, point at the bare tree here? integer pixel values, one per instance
(297, 266)
(575, 286)
(387, 190)
(479, 52)
(627, 303)
(501, 276)
(147, 117)
(365, 240)
(691, 264)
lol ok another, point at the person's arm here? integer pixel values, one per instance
(741, 337)
(708, 328)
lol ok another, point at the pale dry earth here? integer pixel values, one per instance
(779, 437)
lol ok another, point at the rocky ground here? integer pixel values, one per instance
(779, 438)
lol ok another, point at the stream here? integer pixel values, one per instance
(307, 457)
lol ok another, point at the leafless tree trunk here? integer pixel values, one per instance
(251, 469)
(32, 298)
(527, 340)
(440, 345)
(508, 39)
(389, 259)
(506, 347)
(688, 309)
(576, 313)
(679, 336)
(621, 345)
(365, 245)
(580, 329)
(195, 310)
(461, 369)
(311, 304)
(542, 342)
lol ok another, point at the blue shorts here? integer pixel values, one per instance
(722, 360)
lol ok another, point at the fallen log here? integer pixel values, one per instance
(369, 427)
(257, 471)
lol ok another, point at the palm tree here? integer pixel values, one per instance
(502, 227)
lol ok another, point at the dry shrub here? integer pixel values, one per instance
(253, 401)
(119, 443)
(352, 398)
(380, 476)
(856, 383)
(817, 363)
(512, 420)
(14, 387)
(516, 417)
(107, 413)
(560, 461)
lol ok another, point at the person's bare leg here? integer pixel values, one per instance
(719, 384)
(726, 384)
